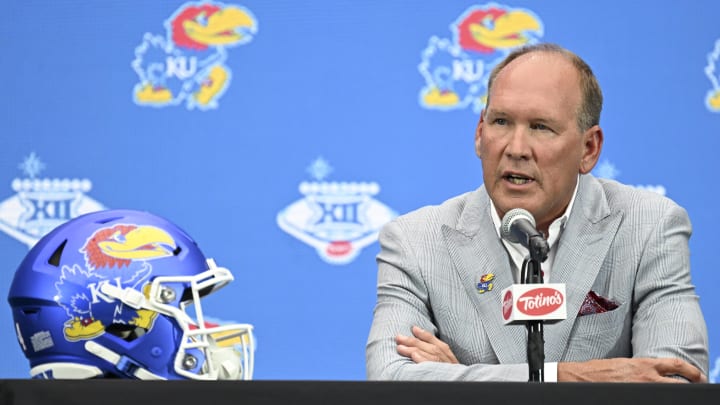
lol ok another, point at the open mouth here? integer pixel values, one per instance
(518, 179)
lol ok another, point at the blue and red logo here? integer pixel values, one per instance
(456, 71)
(712, 100)
(119, 255)
(486, 283)
(187, 65)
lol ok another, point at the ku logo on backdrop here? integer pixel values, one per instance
(188, 63)
(712, 71)
(456, 70)
(338, 219)
(39, 205)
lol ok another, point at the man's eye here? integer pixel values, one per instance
(539, 127)
(500, 121)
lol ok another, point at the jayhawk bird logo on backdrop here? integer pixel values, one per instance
(456, 70)
(188, 64)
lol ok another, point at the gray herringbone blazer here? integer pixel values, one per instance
(623, 243)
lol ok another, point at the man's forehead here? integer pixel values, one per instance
(539, 68)
(532, 92)
(541, 59)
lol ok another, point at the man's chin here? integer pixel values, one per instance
(506, 203)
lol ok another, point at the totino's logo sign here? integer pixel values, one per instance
(540, 301)
(507, 305)
(533, 302)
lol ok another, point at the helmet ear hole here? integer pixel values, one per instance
(125, 332)
(30, 311)
(55, 257)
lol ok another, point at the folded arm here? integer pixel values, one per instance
(667, 320)
(423, 346)
(402, 302)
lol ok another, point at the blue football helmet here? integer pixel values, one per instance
(117, 293)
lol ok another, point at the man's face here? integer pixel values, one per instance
(528, 139)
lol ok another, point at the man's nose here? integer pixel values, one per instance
(518, 146)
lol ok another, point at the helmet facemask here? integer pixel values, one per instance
(207, 351)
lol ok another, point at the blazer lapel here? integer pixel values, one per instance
(476, 250)
(582, 248)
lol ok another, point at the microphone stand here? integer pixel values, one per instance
(539, 249)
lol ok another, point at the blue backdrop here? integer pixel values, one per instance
(284, 149)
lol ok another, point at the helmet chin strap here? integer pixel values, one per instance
(128, 296)
(124, 364)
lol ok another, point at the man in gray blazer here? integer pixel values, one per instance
(633, 314)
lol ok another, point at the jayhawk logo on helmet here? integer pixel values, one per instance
(456, 71)
(119, 255)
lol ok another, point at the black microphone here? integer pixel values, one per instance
(518, 226)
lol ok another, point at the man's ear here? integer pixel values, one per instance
(592, 143)
(478, 135)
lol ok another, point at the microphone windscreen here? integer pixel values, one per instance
(512, 216)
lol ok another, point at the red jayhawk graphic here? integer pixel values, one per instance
(188, 63)
(120, 255)
(456, 71)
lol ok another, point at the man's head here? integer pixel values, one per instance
(539, 130)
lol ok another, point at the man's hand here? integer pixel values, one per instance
(631, 370)
(424, 346)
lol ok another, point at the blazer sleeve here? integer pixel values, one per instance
(403, 301)
(667, 319)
